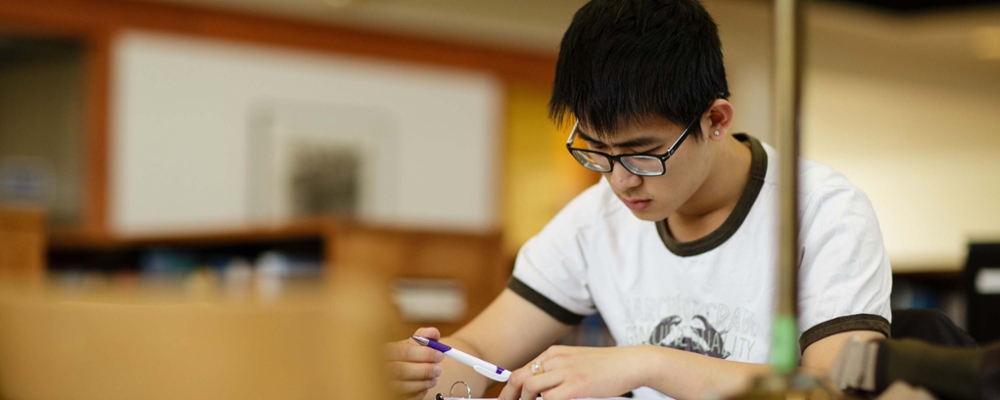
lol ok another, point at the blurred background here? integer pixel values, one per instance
(239, 149)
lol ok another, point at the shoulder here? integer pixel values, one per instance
(817, 179)
(822, 189)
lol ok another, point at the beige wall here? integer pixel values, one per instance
(745, 30)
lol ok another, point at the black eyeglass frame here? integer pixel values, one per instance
(612, 159)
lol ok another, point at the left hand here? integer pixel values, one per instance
(574, 372)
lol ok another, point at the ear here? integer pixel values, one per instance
(718, 118)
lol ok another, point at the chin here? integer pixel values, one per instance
(649, 215)
(647, 210)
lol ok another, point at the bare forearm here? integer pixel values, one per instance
(687, 376)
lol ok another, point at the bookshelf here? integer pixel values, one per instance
(308, 249)
(933, 289)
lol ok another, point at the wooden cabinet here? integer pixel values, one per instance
(474, 260)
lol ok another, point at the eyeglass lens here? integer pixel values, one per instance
(639, 164)
(593, 161)
(643, 165)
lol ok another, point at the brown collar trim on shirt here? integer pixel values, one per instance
(758, 169)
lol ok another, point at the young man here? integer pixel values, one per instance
(676, 245)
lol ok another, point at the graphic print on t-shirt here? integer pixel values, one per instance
(712, 329)
(690, 337)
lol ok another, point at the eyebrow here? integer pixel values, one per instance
(644, 141)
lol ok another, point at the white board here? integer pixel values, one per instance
(182, 116)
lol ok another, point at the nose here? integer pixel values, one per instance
(621, 179)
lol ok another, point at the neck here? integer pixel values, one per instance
(716, 198)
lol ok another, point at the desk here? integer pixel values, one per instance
(125, 346)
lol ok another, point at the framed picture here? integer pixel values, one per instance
(312, 159)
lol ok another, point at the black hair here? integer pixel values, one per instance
(623, 60)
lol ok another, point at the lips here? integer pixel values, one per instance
(636, 205)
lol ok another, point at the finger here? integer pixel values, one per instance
(412, 387)
(513, 388)
(429, 333)
(517, 378)
(537, 384)
(554, 358)
(509, 392)
(553, 363)
(545, 362)
(412, 352)
(408, 371)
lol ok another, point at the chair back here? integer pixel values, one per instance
(931, 326)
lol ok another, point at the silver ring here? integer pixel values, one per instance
(536, 368)
(467, 389)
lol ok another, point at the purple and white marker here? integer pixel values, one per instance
(486, 369)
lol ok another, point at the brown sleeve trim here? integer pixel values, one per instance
(857, 322)
(544, 303)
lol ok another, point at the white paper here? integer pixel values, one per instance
(430, 300)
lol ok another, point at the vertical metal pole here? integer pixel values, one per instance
(787, 81)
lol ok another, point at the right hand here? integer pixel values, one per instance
(413, 369)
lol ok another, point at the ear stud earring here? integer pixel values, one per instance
(716, 133)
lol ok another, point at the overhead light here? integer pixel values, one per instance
(986, 43)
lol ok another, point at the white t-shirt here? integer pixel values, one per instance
(716, 295)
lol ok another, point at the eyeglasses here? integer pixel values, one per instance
(638, 164)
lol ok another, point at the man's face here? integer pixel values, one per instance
(653, 198)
